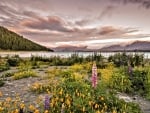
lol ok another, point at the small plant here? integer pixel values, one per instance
(24, 74)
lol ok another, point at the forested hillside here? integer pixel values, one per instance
(12, 41)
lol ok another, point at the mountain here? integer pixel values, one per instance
(143, 46)
(12, 41)
(70, 48)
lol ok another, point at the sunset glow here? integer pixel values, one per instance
(91, 23)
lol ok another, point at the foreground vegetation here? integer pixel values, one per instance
(69, 89)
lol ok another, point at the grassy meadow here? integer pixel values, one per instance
(66, 83)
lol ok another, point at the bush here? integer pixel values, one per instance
(14, 60)
(139, 81)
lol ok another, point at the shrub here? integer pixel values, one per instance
(139, 81)
(14, 60)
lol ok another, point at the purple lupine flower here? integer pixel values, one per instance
(94, 76)
(46, 102)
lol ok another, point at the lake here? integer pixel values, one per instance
(27, 54)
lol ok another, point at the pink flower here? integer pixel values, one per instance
(94, 76)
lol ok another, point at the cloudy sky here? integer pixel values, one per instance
(91, 23)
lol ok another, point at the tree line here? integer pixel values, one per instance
(12, 41)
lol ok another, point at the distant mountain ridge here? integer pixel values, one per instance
(12, 41)
(143, 46)
(70, 48)
(135, 46)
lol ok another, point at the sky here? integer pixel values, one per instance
(90, 23)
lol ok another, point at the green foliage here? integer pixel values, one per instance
(122, 59)
(133, 83)
(14, 60)
(120, 81)
(25, 66)
(139, 81)
(12, 41)
(73, 59)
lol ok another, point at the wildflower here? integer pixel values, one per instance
(68, 102)
(114, 111)
(61, 92)
(61, 99)
(46, 111)
(8, 99)
(1, 109)
(102, 98)
(96, 106)
(22, 106)
(47, 102)
(90, 103)
(98, 111)
(31, 107)
(94, 76)
(46, 90)
(36, 111)
(16, 111)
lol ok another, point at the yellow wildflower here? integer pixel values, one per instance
(22, 105)
(61, 92)
(61, 99)
(90, 103)
(46, 111)
(36, 111)
(67, 95)
(68, 102)
(1, 109)
(8, 99)
(31, 107)
(16, 111)
(98, 111)
(114, 111)
(101, 98)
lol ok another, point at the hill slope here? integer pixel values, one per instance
(12, 41)
(135, 46)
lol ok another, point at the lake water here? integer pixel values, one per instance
(64, 54)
